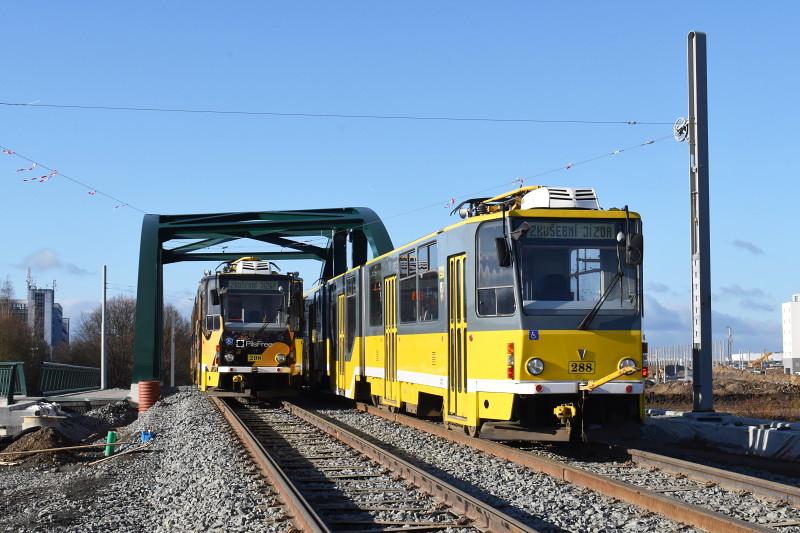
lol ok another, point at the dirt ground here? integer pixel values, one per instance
(740, 392)
(40, 439)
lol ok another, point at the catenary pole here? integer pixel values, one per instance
(172, 351)
(103, 352)
(703, 400)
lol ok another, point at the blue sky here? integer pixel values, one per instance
(582, 61)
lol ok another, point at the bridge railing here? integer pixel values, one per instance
(57, 378)
(12, 380)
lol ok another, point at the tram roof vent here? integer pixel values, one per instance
(252, 267)
(560, 198)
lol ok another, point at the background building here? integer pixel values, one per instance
(790, 322)
(43, 315)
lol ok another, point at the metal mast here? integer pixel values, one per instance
(703, 399)
(103, 352)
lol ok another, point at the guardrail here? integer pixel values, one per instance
(12, 380)
(58, 378)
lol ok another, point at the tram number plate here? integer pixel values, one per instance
(581, 367)
(253, 357)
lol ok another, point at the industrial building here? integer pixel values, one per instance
(790, 323)
(43, 315)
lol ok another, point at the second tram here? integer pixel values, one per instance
(246, 326)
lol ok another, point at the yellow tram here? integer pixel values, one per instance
(520, 322)
(246, 325)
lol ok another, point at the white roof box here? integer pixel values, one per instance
(246, 266)
(560, 198)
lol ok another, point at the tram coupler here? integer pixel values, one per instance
(565, 413)
(592, 385)
(238, 382)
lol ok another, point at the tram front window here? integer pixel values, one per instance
(247, 310)
(560, 272)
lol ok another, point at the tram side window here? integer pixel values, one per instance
(408, 287)
(333, 325)
(212, 309)
(375, 296)
(428, 293)
(350, 313)
(495, 283)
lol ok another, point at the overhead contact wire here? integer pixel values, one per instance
(441, 118)
(518, 181)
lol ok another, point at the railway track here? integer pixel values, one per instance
(724, 478)
(671, 499)
(331, 479)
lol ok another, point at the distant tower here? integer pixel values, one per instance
(790, 312)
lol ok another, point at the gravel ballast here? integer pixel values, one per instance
(534, 498)
(194, 476)
(741, 505)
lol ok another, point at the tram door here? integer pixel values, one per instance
(390, 340)
(457, 337)
(341, 342)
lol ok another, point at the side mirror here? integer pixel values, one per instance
(214, 297)
(634, 249)
(503, 252)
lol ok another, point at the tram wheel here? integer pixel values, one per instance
(472, 431)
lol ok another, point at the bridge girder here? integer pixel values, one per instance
(281, 228)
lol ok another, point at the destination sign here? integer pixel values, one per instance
(253, 285)
(570, 230)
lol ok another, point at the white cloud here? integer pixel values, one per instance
(669, 325)
(46, 259)
(73, 308)
(748, 247)
(753, 299)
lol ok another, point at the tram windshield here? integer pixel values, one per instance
(245, 305)
(567, 265)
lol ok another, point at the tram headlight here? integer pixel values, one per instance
(280, 358)
(229, 357)
(627, 362)
(535, 366)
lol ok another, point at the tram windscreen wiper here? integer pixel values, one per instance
(590, 316)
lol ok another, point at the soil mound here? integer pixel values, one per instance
(39, 440)
(740, 392)
(735, 382)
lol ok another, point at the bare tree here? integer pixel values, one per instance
(6, 296)
(183, 340)
(120, 331)
(17, 342)
(120, 327)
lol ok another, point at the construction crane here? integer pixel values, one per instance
(759, 363)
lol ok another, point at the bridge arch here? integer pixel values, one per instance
(360, 225)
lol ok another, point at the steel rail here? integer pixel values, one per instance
(302, 513)
(782, 468)
(652, 501)
(723, 478)
(483, 515)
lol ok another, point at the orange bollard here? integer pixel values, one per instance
(149, 393)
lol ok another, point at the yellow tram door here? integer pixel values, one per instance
(457, 337)
(341, 343)
(390, 341)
